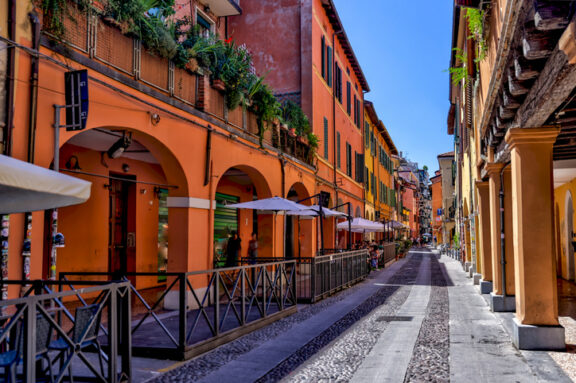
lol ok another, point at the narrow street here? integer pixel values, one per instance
(420, 319)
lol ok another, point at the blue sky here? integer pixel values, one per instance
(404, 50)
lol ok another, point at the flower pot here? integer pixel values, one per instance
(284, 126)
(292, 132)
(303, 139)
(219, 85)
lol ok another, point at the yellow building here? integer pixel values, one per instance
(379, 149)
(513, 115)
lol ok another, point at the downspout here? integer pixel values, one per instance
(334, 126)
(33, 111)
(10, 73)
(502, 235)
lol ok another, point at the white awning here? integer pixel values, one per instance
(25, 187)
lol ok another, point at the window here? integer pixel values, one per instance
(325, 138)
(359, 167)
(366, 178)
(338, 150)
(204, 24)
(348, 98)
(367, 135)
(355, 110)
(329, 65)
(338, 82)
(323, 47)
(348, 160)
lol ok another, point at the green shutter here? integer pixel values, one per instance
(323, 44)
(325, 138)
(338, 150)
(329, 65)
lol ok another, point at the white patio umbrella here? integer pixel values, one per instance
(25, 187)
(314, 210)
(274, 204)
(361, 225)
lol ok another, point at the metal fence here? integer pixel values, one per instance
(54, 336)
(197, 311)
(319, 277)
(388, 254)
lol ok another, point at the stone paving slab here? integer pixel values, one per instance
(254, 364)
(389, 358)
(481, 349)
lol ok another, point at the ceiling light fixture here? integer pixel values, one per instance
(120, 146)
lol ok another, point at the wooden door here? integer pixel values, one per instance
(122, 224)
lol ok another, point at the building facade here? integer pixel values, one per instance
(512, 92)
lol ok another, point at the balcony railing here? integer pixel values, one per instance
(105, 44)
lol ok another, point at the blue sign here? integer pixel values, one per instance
(76, 99)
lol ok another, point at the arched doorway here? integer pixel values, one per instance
(298, 234)
(569, 234)
(241, 184)
(124, 225)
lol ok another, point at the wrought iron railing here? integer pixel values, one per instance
(200, 310)
(60, 328)
(319, 277)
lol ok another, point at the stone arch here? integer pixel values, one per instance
(300, 232)
(138, 182)
(242, 183)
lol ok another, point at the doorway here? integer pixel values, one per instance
(122, 226)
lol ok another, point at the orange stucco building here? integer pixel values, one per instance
(161, 203)
(437, 213)
(316, 67)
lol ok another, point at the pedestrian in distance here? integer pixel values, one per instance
(374, 258)
(233, 249)
(253, 249)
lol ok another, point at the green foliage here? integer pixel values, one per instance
(459, 73)
(313, 141)
(475, 19)
(55, 11)
(266, 108)
(295, 118)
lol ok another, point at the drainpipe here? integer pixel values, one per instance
(10, 73)
(502, 236)
(334, 125)
(33, 111)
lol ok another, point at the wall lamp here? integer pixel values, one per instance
(120, 146)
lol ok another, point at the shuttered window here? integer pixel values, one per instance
(348, 160)
(338, 150)
(323, 45)
(325, 138)
(348, 98)
(329, 65)
(359, 176)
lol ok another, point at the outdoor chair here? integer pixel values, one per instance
(10, 357)
(84, 335)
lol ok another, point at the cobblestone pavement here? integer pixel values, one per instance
(421, 320)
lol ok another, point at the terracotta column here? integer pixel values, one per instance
(484, 240)
(509, 232)
(501, 299)
(536, 323)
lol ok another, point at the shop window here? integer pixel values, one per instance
(162, 233)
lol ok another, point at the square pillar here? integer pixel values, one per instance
(536, 324)
(484, 239)
(501, 297)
